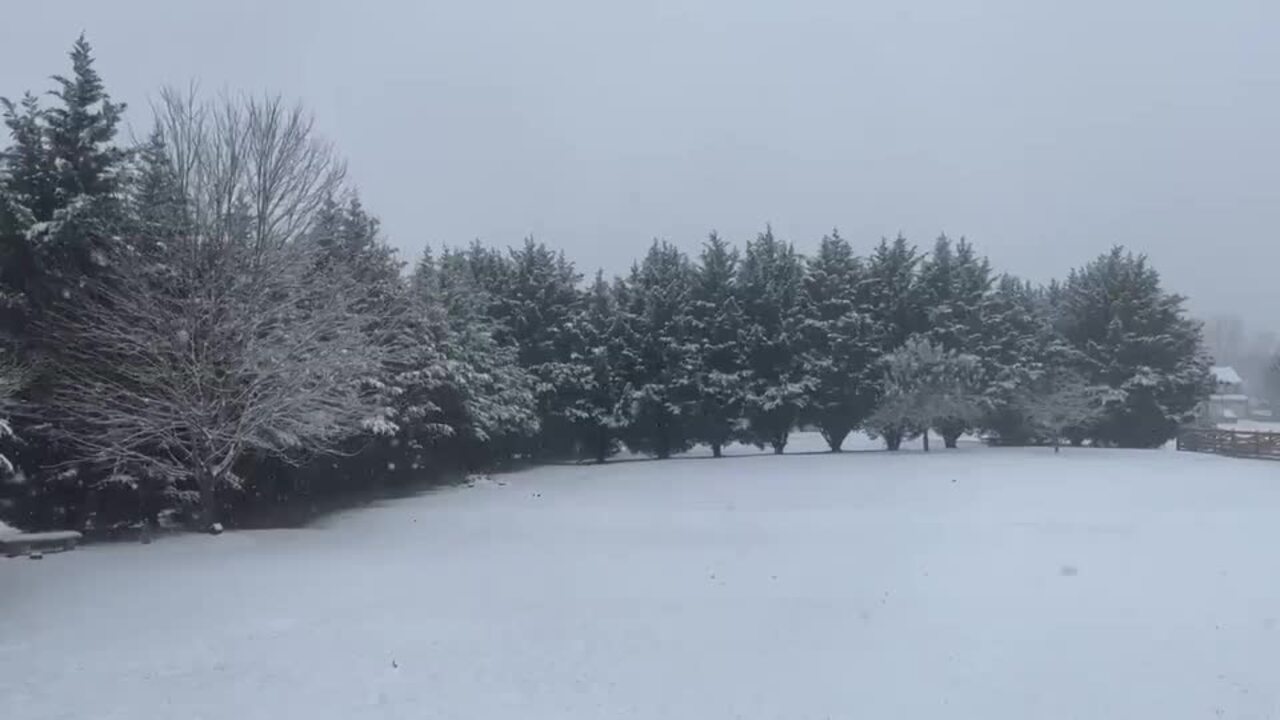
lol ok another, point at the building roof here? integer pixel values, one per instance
(1226, 374)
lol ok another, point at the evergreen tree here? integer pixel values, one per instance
(842, 342)
(601, 419)
(770, 282)
(1017, 345)
(661, 377)
(81, 131)
(72, 194)
(954, 283)
(464, 397)
(157, 208)
(537, 303)
(497, 395)
(894, 294)
(717, 326)
(60, 206)
(1136, 340)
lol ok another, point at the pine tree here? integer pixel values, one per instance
(953, 288)
(1017, 345)
(82, 131)
(1135, 339)
(60, 206)
(842, 342)
(497, 395)
(894, 293)
(717, 325)
(601, 419)
(88, 173)
(157, 208)
(660, 380)
(535, 298)
(26, 193)
(464, 399)
(770, 282)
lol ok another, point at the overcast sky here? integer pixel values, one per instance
(1043, 131)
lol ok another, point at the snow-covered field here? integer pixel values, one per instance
(978, 583)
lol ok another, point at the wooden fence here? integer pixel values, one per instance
(1236, 443)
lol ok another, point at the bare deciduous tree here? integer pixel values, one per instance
(234, 336)
(1061, 401)
(13, 377)
(925, 386)
(248, 163)
(180, 380)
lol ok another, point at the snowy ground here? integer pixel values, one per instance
(978, 583)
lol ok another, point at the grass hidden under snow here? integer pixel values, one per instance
(977, 583)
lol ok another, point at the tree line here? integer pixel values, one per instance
(209, 321)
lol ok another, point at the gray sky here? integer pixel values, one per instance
(1042, 131)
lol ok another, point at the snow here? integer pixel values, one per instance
(1225, 374)
(7, 529)
(974, 583)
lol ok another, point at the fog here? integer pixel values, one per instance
(1044, 132)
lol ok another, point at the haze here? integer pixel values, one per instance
(1044, 132)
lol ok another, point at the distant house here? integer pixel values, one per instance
(1228, 403)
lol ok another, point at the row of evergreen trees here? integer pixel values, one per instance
(184, 333)
(748, 346)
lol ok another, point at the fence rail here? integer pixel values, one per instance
(1236, 443)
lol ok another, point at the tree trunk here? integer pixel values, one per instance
(663, 443)
(925, 436)
(716, 449)
(835, 438)
(208, 499)
(779, 443)
(1057, 445)
(893, 439)
(602, 446)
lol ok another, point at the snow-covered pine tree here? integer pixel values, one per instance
(954, 284)
(893, 292)
(60, 205)
(842, 342)
(464, 399)
(1135, 339)
(661, 378)
(600, 416)
(770, 285)
(89, 171)
(422, 421)
(536, 300)
(496, 394)
(1017, 345)
(60, 183)
(721, 375)
(156, 208)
